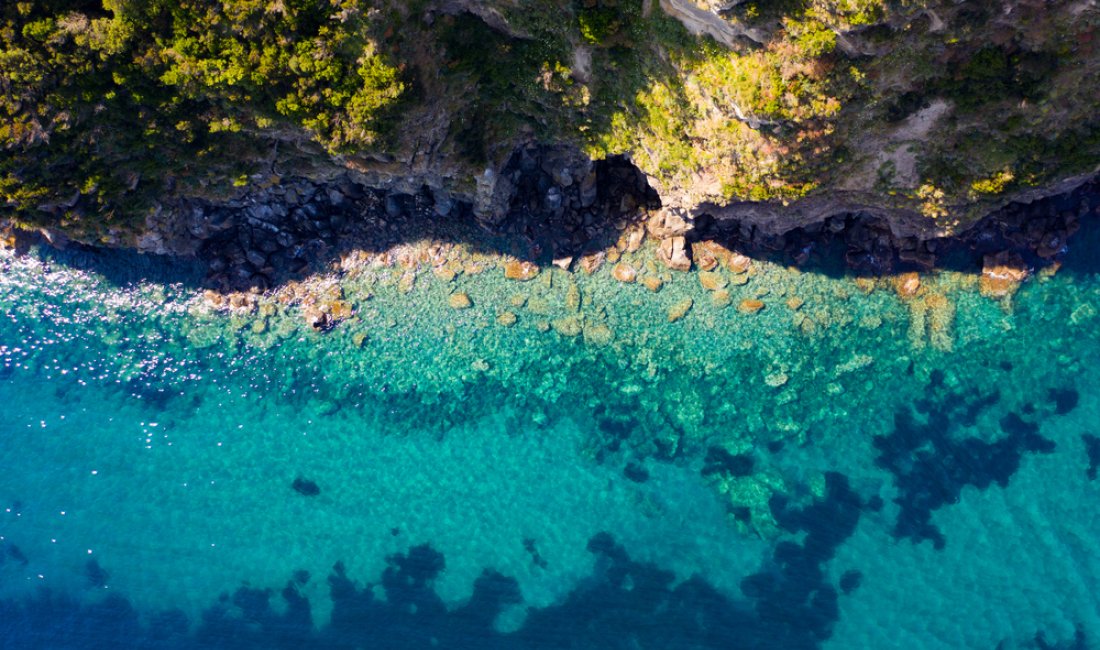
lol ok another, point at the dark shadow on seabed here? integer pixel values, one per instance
(789, 604)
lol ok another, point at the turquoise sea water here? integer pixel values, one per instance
(851, 470)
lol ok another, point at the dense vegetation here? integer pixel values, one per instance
(106, 105)
(101, 98)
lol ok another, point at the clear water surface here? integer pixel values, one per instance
(846, 468)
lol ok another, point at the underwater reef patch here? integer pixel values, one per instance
(931, 465)
(1092, 450)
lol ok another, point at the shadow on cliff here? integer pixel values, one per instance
(564, 209)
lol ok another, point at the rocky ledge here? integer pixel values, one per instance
(562, 208)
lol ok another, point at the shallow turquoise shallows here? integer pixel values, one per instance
(617, 468)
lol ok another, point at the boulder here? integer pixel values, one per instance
(738, 263)
(712, 280)
(750, 306)
(460, 300)
(907, 284)
(1002, 274)
(673, 252)
(624, 272)
(593, 261)
(520, 270)
(563, 263)
(667, 223)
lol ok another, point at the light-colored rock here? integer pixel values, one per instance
(444, 273)
(339, 310)
(750, 306)
(865, 285)
(776, 379)
(703, 258)
(506, 319)
(907, 284)
(712, 280)
(1002, 274)
(241, 302)
(624, 272)
(738, 263)
(591, 262)
(673, 253)
(460, 300)
(721, 298)
(667, 223)
(316, 318)
(679, 310)
(653, 283)
(213, 299)
(520, 270)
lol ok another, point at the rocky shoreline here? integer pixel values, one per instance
(564, 209)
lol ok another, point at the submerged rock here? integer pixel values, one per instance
(653, 283)
(739, 263)
(712, 280)
(776, 379)
(319, 320)
(444, 273)
(568, 326)
(305, 487)
(598, 334)
(624, 272)
(590, 263)
(460, 300)
(907, 284)
(573, 297)
(1002, 274)
(520, 270)
(750, 306)
(679, 310)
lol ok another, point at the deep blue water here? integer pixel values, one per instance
(851, 469)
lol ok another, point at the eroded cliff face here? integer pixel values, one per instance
(924, 116)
